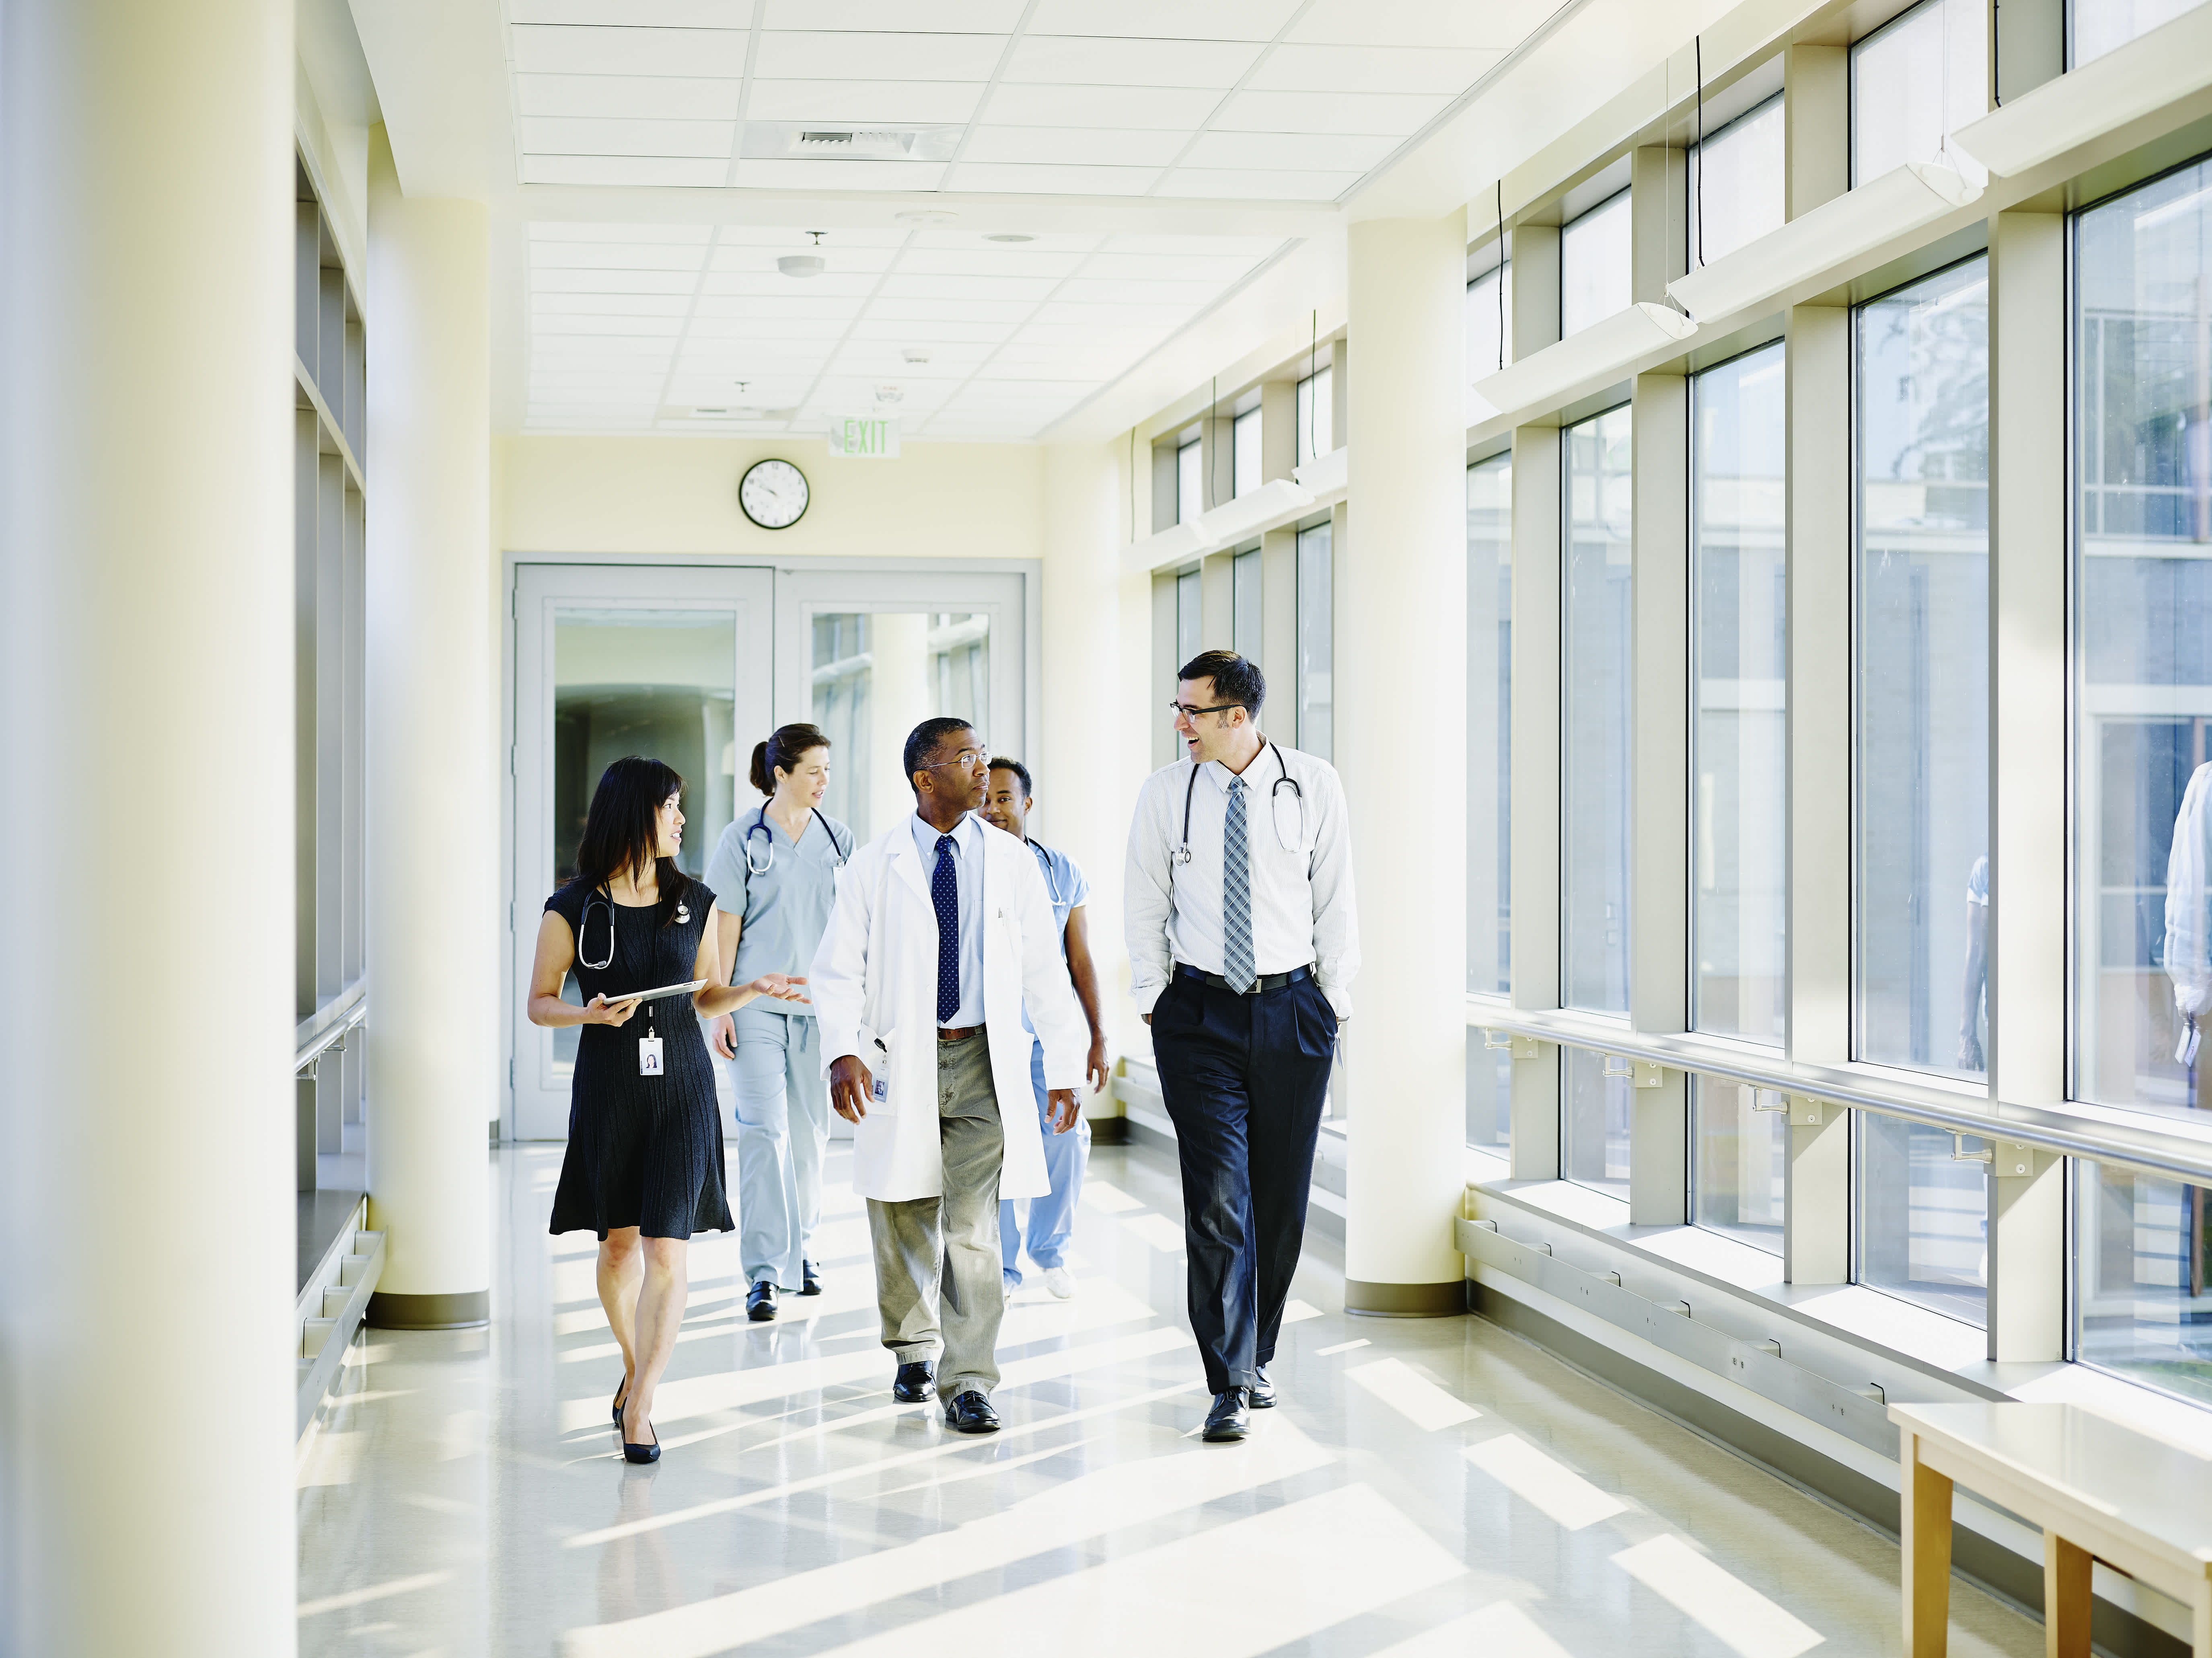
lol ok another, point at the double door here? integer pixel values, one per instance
(693, 665)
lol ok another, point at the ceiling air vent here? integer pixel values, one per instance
(875, 144)
(827, 141)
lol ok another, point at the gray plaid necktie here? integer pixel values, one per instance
(1235, 895)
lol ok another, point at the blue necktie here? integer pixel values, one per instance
(945, 893)
(1236, 895)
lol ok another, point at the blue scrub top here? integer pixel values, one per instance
(785, 907)
(1065, 885)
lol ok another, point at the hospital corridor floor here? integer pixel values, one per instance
(1427, 1487)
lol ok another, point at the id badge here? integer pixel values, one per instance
(879, 1089)
(649, 1056)
(2184, 1055)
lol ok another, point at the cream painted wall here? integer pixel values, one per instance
(667, 494)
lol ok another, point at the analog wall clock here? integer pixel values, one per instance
(772, 494)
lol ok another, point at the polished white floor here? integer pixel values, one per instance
(1429, 1486)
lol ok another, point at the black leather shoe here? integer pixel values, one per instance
(1231, 1417)
(622, 1397)
(760, 1302)
(1262, 1391)
(810, 1281)
(915, 1383)
(971, 1413)
(648, 1452)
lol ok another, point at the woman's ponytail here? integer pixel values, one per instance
(785, 747)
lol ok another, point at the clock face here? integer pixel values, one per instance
(772, 494)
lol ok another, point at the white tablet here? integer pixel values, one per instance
(655, 995)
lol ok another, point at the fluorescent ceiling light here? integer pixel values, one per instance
(1592, 355)
(2151, 71)
(1832, 234)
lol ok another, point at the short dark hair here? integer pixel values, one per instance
(1029, 789)
(922, 742)
(1236, 678)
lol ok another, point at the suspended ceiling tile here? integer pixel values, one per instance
(897, 308)
(1181, 109)
(743, 246)
(551, 281)
(1290, 152)
(1445, 23)
(887, 102)
(643, 14)
(1092, 61)
(1087, 333)
(1254, 247)
(839, 175)
(1165, 20)
(541, 50)
(855, 56)
(583, 230)
(898, 286)
(609, 305)
(765, 310)
(737, 333)
(615, 256)
(640, 170)
(976, 234)
(1082, 146)
(987, 260)
(939, 333)
(1223, 183)
(1220, 268)
(1108, 290)
(616, 97)
(546, 324)
(944, 17)
(1114, 316)
(564, 135)
(1371, 68)
(1393, 113)
(730, 293)
(1014, 181)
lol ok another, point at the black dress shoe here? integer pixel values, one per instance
(810, 1281)
(760, 1302)
(621, 1398)
(1262, 1391)
(915, 1383)
(648, 1452)
(1231, 1417)
(971, 1413)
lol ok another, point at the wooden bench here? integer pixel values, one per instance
(2101, 1490)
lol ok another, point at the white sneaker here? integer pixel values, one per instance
(1060, 1281)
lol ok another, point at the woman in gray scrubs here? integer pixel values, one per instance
(776, 873)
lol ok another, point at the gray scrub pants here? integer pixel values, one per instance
(943, 1252)
(783, 1133)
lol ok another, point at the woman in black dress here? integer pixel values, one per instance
(644, 1164)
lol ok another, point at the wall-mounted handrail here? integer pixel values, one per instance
(326, 1027)
(2177, 1149)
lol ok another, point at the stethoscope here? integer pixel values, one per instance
(760, 828)
(1293, 841)
(1051, 881)
(605, 901)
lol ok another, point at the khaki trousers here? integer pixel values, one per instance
(939, 1285)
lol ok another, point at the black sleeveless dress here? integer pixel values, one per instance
(643, 1152)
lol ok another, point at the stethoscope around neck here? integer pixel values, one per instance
(1294, 840)
(760, 828)
(605, 901)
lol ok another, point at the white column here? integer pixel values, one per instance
(1401, 745)
(146, 618)
(433, 900)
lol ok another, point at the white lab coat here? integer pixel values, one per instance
(874, 978)
(2189, 899)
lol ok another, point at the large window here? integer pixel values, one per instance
(1489, 724)
(1249, 637)
(1489, 327)
(1739, 653)
(2143, 645)
(2142, 1255)
(1594, 1119)
(2095, 26)
(1921, 648)
(1593, 265)
(1597, 639)
(1190, 481)
(1244, 452)
(1923, 1216)
(1316, 415)
(1190, 617)
(1742, 1143)
(1316, 641)
(1734, 181)
(1915, 80)
(1489, 1093)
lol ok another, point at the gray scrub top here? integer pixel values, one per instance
(785, 908)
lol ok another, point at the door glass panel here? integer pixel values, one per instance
(658, 684)
(877, 675)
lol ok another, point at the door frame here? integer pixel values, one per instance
(1031, 570)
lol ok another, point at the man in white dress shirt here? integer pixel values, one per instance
(1242, 946)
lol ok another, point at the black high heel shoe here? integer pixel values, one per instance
(649, 1452)
(622, 1395)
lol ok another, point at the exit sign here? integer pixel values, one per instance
(865, 437)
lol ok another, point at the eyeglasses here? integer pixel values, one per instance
(1189, 713)
(967, 759)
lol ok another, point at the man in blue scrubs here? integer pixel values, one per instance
(1006, 805)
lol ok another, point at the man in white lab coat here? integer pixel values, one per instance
(943, 929)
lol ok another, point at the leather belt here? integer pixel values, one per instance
(960, 1033)
(1265, 982)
